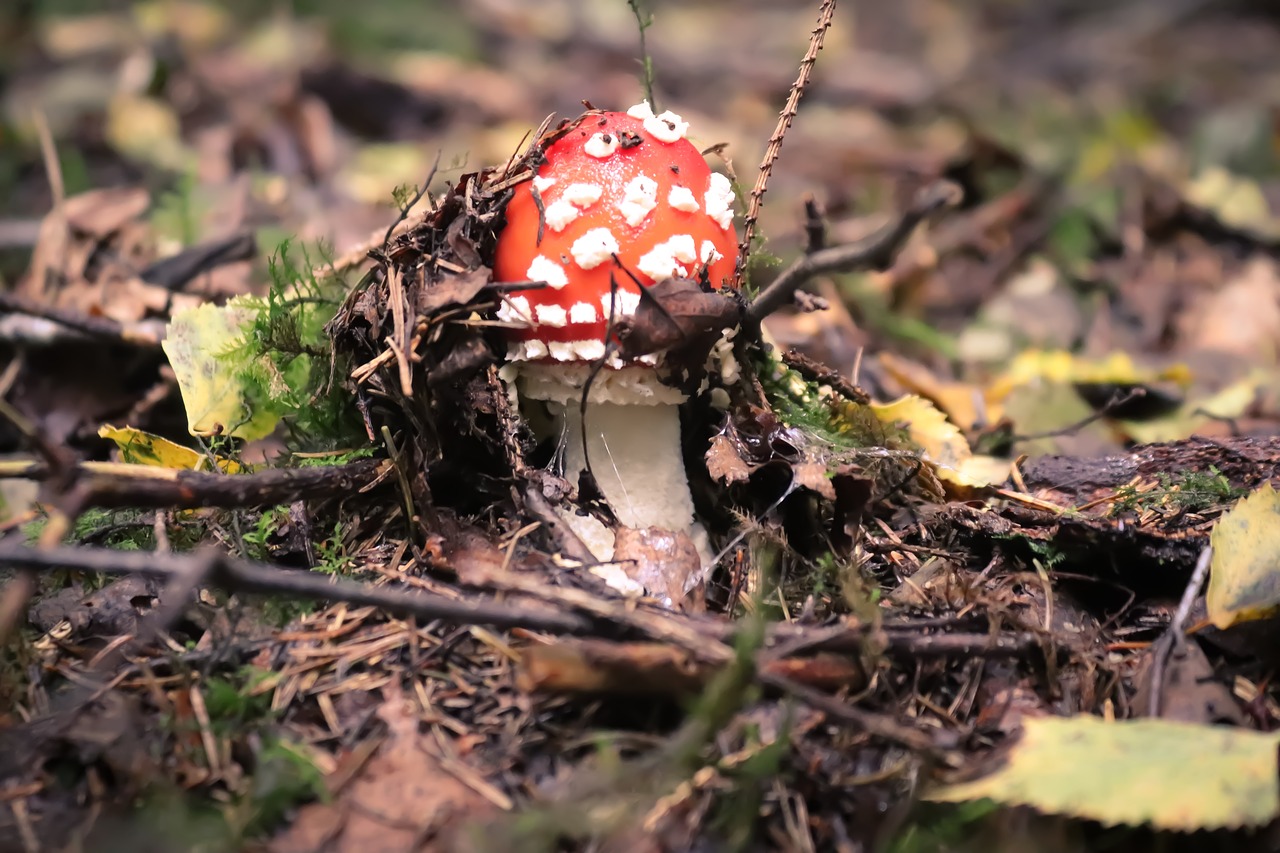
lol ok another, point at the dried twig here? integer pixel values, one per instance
(592, 665)
(237, 575)
(1175, 635)
(176, 271)
(875, 724)
(875, 251)
(788, 114)
(111, 484)
(103, 328)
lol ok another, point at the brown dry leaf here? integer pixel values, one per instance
(1243, 317)
(813, 476)
(453, 290)
(1192, 692)
(402, 800)
(964, 404)
(724, 463)
(101, 213)
(661, 561)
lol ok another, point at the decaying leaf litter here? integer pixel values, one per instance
(881, 622)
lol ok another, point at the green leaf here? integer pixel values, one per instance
(1244, 576)
(1172, 775)
(205, 346)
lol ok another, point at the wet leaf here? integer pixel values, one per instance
(1244, 577)
(1171, 775)
(201, 344)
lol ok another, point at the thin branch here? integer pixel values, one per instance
(237, 575)
(876, 251)
(417, 197)
(880, 725)
(1117, 401)
(102, 328)
(1175, 635)
(114, 484)
(788, 114)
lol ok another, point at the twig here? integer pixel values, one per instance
(876, 724)
(96, 327)
(565, 538)
(1117, 401)
(876, 251)
(788, 114)
(1175, 635)
(174, 272)
(113, 484)
(417, 197)
(916, 645)
(237, 575)
(593, 665)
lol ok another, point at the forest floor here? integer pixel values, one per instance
(963, 490)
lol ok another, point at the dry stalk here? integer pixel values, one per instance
(788, 114)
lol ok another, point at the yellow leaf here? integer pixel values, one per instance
(942, 442)
(1237, 202)
(1196, 412)
(1064, 367)
(143, 448)
(200, 343)
(1172, 775)
(1244, 575)
(146, 129)
(964, 404)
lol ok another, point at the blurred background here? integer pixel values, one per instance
(1119, 160)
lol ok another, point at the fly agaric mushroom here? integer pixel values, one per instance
(621, 201)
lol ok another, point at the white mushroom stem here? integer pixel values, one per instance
(633, 444)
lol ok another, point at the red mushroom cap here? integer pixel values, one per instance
(628, 184)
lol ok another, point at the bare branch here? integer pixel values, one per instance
(875, 251)
(238, 575)
(111, 484)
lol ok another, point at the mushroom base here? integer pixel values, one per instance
(632, 442)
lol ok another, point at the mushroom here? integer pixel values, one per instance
(621, 201)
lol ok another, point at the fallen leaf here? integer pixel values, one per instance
(1241, 317)
(138, 447)
(1235, 201)
(1197, 412)
(942, 442)
(102, 212)
(399, 798)
(724, 463)
(1172, 775)
(964, 404)
(1060, 366)
(1244, 575)
(663, 562)
(146, 129)
(1191, 691)
(200, 343)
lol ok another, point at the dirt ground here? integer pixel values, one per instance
(289, 566)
